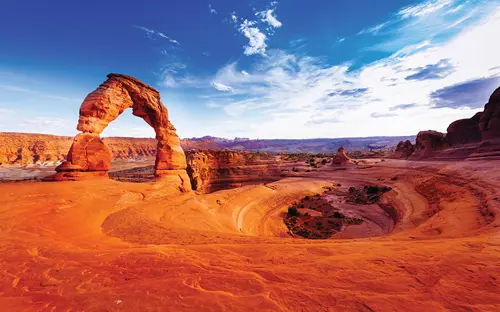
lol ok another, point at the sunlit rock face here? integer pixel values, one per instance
(212, 170)
(104, 105)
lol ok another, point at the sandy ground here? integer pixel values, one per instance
(103, 245)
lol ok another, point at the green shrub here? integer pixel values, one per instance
(293, 212)
(352, 189)
(372, 189)
(337, 214)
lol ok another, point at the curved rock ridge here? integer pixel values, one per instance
(212, 170)
(104, 105)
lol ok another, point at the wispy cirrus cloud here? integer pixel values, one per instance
(211, 9)
(221, 87)
(402, 107)
(153, 34)
(439, 70)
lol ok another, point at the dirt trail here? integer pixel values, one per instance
(102, 245)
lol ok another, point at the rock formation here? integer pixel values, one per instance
(24, 149)
(340, 157)
(104, 105)
(489, 123)
(212, 170)
(427, 143)
(464, 131)
(403, 150)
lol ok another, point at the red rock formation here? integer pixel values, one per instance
(403, 150)
(212, 170)
(90, 153)
(104, 105)
(489, 124)
(464, 131)
(23, 148)
(427, 143)
(340, 157)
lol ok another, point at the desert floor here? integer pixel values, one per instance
(103, 245)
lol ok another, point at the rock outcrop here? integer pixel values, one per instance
(464, 131)
(403, 150)
(340, 157)
(25, 149)
(104, 105)
(427, 143)
(212, 170)
(489, 123)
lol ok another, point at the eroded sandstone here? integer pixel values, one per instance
(104, 105)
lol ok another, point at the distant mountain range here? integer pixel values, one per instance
(321, 145)
(28, 148)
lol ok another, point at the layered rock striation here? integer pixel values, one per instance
(212, 170)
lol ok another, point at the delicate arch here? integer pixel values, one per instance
(105, 104)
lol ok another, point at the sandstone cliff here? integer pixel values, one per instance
(212, 170)
(32, 148)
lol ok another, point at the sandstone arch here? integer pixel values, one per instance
(88, 152)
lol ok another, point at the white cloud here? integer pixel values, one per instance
(211, 9)
(221, 87)
(341, 40)
(268, 17)
(321, 100)
(256, 39)
(234, 18)
(424, 8)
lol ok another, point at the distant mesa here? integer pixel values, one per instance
(104, 105)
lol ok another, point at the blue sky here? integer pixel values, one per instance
(258, 69)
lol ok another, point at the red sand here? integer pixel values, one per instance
(103, 245)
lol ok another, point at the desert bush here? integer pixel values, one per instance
(293, 212)
(372, 189)
(337, 214)
(394, 178)
(352, 189)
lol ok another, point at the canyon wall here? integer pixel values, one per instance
(212, 170)
(31, 148)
